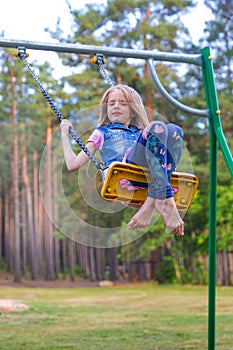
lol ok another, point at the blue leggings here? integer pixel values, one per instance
(160, 152)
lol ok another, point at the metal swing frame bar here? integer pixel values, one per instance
(217, 138)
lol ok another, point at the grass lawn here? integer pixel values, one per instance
(128, 317)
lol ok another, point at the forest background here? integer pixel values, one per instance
(31, 247)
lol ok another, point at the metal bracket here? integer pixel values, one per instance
(21, 52)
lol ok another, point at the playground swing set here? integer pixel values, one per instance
(185, 183)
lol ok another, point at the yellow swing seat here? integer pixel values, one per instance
(184, 183)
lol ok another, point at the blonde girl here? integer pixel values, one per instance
(125, 134)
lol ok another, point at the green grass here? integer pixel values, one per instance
(134, 317)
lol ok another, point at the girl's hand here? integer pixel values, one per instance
(146, 131)
(65, 126)
(156, 128)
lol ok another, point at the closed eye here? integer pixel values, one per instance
(113, 102)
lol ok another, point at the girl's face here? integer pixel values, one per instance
(118, 109)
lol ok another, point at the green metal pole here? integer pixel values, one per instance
(212, 105)
(212, 238)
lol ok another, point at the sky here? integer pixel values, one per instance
(27, 19)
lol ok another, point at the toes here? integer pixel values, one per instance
(179, 230)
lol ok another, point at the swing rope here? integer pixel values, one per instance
(23, 56)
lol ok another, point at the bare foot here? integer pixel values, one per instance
(168, 210)
(144, 215)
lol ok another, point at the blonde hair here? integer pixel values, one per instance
(139, 115)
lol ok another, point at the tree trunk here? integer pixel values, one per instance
(57, 257)
(41, 239)
(38, 217)
(230, 260)
(15, 178)
(15, 175)
(219, 272)
(48, 196)
(112, 264)
(24, 241)
(36, 212)
(92, 263)
(55, 215)
(141, 269)
(83, 260)
(100, 263)
(7, 229)
(29, 208)
(226, 276)
(64, 258)
(71, 259)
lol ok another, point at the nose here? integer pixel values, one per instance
(116, 104)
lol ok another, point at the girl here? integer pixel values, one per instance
(125, 134)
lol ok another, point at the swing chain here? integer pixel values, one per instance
(23, 56)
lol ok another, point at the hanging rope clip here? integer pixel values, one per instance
(21, 53)
(99, 59)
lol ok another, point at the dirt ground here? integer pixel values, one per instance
(9, 305)
(48, 284)
(78, 283)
